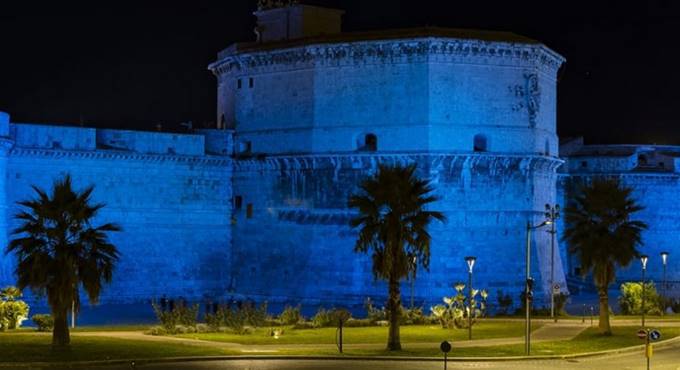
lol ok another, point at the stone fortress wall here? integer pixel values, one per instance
(169, 192)
(258, 208)
(314, 116)
(653, 172)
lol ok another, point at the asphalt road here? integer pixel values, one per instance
(667, 358)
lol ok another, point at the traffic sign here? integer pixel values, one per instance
(556, 289)
(445, 347)
(642, 333)
(654, 335)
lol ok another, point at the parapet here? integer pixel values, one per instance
(83, 139)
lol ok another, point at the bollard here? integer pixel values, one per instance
(583, 315)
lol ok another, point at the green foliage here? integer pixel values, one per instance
(560, 303)
(455, 311)
(239, 320)
(601, 233)
(504, 303)
(58, 250)
(291, 315)
(413, 316)
(330, 318)
(630, 299)
(358, 323)
(180, 315)
(44, 322)
(393, 218)
(374, 314)
(12, 310)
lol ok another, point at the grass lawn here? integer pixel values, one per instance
(32, 346)
(409, 334)
(24, 346)
(588, 341)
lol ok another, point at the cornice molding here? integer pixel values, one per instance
(432, 49)
(113, 155)
(523, 163)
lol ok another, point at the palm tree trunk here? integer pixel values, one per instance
(60, 334)
(604, 326)
(394, 303)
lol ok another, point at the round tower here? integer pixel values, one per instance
(313, 115)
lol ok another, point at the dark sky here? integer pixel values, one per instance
(137, 64)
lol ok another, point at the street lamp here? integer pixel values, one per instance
(552, 213)
(644, 260)
(664, 259)
(528, 286)
(471, 263)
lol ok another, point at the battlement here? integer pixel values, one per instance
(70, 138)
(593, 159)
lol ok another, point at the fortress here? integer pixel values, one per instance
(257, 208)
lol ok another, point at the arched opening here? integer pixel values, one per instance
(370, 143)
(479, 143)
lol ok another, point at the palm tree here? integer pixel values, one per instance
(602, 235)
(58, 250)
(393, 227)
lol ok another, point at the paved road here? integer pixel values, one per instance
(667, 358)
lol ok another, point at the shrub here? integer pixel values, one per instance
(290, 315)
(330, 318)
(455, 312)
(504, 303)
(304, 325)
(631, 299)
(158, 330)
(358, 323)
(675, 305)
(44, 322)
(238, 319)
(255, 316)
(560, 302)
(373, 313)
(12, 310)
(180, 315)
(413, 316)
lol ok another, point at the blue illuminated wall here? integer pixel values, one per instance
(259, 209)
(653, 172)
(301, 114)
(170, 193)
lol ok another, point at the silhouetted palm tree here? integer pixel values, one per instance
(602, 235)
(393, 225)
(58, 250)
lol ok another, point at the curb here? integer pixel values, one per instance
(86, 364)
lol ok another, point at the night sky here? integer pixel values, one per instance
(134, 65)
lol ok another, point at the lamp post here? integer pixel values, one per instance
(471, 263)
(644, 260)
(552, 213)
(528, 286)
(664, 260)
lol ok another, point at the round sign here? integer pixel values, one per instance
(654, 335)
(556, 288)
(642, 333)
(445, 347)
